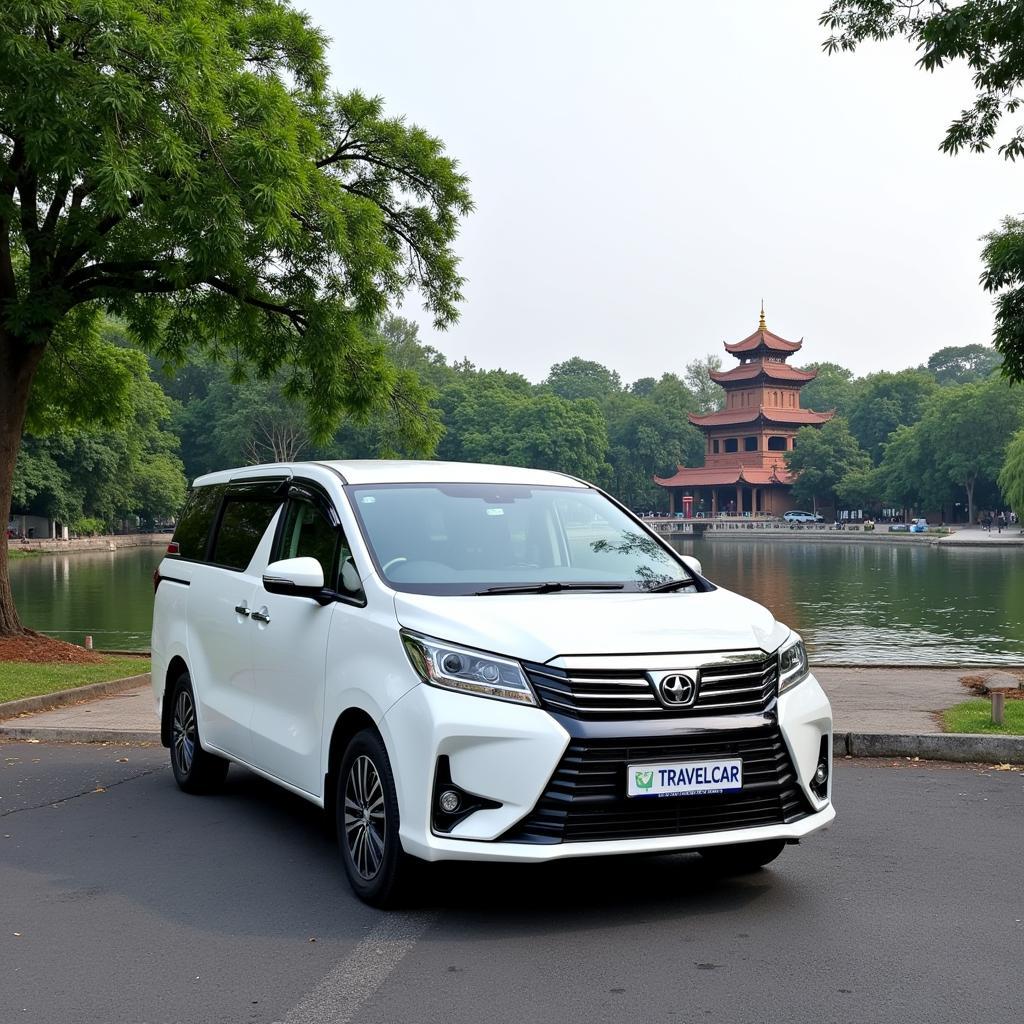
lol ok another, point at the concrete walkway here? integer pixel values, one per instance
(864, 700)
(975, 536)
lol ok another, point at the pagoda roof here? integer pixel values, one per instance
(724, 476)
(763, 338)
(729, 417)
(762, 367)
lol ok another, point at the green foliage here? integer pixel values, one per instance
(495, 416)
(858, 488)
(103, 475)
(709, 396)
(988, 35)
(823, 458)
(87, 526)
(833, 388)
(583, 378)
(1003, 259)
(650, 435)
(184, 165)
(885, 401)
(959, 442)
(901, 474)
(964, 364)
(1011, 476)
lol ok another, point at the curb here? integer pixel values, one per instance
(77, 735)
(932, 746)
(61, 698)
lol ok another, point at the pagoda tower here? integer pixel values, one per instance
(744, 469)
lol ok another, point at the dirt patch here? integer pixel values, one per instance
(38, 649)
(981, 683)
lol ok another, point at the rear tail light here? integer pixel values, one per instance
(172, 548)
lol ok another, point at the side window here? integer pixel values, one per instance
(242, 525)
(193, 528)
(308, 534)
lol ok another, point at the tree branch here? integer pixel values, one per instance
(296, 316)
(67, 256)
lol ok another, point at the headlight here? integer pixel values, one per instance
(793, 667)
(458, 668)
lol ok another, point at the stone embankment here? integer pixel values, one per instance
(113, 542)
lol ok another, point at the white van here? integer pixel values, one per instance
(467, 662)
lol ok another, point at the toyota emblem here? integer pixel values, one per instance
(677, 691)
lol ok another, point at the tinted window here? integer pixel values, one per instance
(243, 523)
(194, 526)
(307, 534)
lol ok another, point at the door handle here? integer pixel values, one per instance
(260, 617)
(242, 609)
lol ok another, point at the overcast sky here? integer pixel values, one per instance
(644, 172)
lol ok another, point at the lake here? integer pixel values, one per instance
(856, 603)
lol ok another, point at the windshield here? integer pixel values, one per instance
(470, 538)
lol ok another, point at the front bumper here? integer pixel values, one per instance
(512, 755)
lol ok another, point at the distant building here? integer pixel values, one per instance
(32, 527)
(744, 469)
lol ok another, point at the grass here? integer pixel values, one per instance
(23, 679)
(13, 554)
(976, 716)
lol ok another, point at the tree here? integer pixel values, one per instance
(859, 488)
(987, 35)
(884, 401)
(107, 475)
(963, 364)
(833, 388)
(647, 437)
(964, 434)
(185, 166)
(709, 396)
(1011, 476)
(823, 457)
(583, 378)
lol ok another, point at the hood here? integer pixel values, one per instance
(539, 627)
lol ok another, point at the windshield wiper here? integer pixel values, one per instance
(670, 585)
(547, 588)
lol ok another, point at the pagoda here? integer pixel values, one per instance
(744, 469)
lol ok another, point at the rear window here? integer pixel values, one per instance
(194, 526)
(242, 524)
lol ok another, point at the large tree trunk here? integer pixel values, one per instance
(969, 488)
(18, 365)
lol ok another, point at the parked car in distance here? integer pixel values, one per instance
(468, 662)
(899, 528)
(918, 525)
(796, 516)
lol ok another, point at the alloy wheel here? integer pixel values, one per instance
(365, 818)
(183, 731)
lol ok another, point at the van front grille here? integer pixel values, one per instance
(601, 695)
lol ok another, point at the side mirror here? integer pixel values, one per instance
(692, 564)
(298, 577)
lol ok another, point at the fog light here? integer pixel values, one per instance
(449, 801)
(821, 775)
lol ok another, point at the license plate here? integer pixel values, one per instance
(684, 778)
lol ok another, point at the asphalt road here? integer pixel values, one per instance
(123, 900)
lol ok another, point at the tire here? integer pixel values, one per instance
(195, 770)
(366, 809)
(742, 858)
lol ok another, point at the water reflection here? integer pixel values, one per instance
(857, 603)
(881, 603)
(105, 594)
